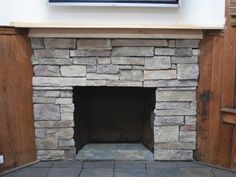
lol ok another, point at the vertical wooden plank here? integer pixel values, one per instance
(16, 108)
(205, 60)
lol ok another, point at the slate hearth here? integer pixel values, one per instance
(170, 67)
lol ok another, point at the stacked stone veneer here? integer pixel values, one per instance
(171, 66)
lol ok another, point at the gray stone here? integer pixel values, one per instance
(51, 53)
(94, 44)
(190, 120)
(94, 76)
(171, 95)
(74, 70)
(55, 61)
(96, 82)
(157, 63)
(67, 116)
(60, 133)
(127, 60)
(196, 172)
(164, 51)
(66, 94)
(130, 173)
(183, 52)
(192, 43)
(49, 144)
(44, 100)
(63, 82)
(188, 127)
(172, 105)
(170, 83)
(187, 71)
(90, 53)
(40, 132)
(46, 70)
(107, 69)
(196, 52)
(138, 68)
(34, 60)
(85, 61)
(46, 112)
(177, 112)
(174, 120)
(50, 155)
(56, 43)
(160, 75)
(173, 154)
(184, 60)
(125, 83)
(176, 145)
(91, 69)
(132, 51)
(67, 108)
(172, 43)
(178, 88)
(37, 43)
(64, 101)
(104, 61)
(54, 124)
(53, 88)
(131, 75)
(166, 134)
(125, 67)
(64, 172)
(97, 172)
(139, 42)
(66, 143)
(37, 93)
(187, 136)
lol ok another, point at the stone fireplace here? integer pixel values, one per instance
(66, 67)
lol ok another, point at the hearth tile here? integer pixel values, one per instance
(97, 172)
(196, 172)
(29, 172)
(99, 164)
(130, 173)
(64, 172)
(130, 164)
(163, 172)
(159, 164)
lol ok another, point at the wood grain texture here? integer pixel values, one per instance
(216, 139)
(16, 110)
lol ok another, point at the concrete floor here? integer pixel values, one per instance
(120, 169)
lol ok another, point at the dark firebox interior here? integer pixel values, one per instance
(113, 115)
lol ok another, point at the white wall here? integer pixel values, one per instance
(199, 13)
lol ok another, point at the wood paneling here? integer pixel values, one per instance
(216, 138)
(16, 110)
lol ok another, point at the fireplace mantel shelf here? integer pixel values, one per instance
(128, 31)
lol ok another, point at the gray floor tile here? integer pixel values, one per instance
(7, 175)
(130, 173)
(97, 172)
(99, 164)
(41, 165)
(68, 164)
(64, 172)
(163, 172)
(31, 172)
(189, 165)
(130, 164)
(196, 172)
(223, 173)
(158, 164)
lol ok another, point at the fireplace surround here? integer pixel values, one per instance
(169, 66)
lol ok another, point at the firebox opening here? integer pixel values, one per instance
(114, 115)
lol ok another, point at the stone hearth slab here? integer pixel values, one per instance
(95, 152)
